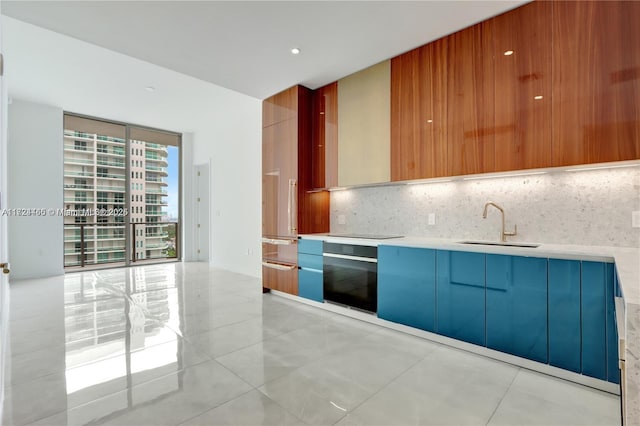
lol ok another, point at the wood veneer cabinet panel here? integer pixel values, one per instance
(470, 100)
(281, 280)
(312, 213)
(279, 167)
(279, 107)
(418, 139)
(287, 206)
(596, 82)
(324, 121)
(522, 119)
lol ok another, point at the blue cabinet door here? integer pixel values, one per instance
(564, 314)
(613, 369)
(310, 261)
(594, 333)
(406, 286)
(310, 284)
(461, 295)
(310, 273)
(310, 246)
(517, 305)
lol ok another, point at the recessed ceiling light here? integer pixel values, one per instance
(508, 53)
(429, 121)
(295, 51)
(150, 89)
(537, 98)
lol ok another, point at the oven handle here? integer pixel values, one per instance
(278, 266)
(347, 257)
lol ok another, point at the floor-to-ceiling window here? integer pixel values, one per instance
(121, 193)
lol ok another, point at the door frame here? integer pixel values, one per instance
(202, 235)
(4, 242)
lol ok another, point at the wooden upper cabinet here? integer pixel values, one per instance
(418, 113)
(324, 136)
(470, 100)
(596, 82)
(312, 207)
(280, 107)
(523, 98)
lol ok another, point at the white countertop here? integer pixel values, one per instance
(627, 259)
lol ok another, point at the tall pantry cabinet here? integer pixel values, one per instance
(289, 207)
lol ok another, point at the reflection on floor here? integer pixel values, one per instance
(187, 344)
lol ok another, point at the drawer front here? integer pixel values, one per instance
(310, 285)
(310, 261)
(280, 277)
(310, 246)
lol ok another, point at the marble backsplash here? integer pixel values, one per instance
(590, 207)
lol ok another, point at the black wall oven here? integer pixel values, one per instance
(351, 275)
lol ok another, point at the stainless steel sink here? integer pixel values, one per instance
(491, 243)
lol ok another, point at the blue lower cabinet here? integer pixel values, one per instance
(461, 296)
(310, 246)
(406, 286)
(613, 369)
(594, 354)
(310, 284)
(564, 314)
(517, 305)
(310, 261)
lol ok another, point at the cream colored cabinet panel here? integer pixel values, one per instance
(364, 100)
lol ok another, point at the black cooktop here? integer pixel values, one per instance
(367, 236)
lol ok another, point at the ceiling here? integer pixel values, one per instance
(245, 45)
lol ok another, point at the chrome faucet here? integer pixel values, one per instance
(504, 234)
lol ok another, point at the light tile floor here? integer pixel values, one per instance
(187, 344)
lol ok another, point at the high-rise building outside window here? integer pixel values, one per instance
(126, 202)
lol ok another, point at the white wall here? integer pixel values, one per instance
(236, 182)
(35, 181)
(53, 69)
(585, 208)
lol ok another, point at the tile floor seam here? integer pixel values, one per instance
(178, 332)
(147, 402)
(503, 396)
(311, 361)
(229, 353)
(384, 386)
(213, 408)
(102, 360)
(282, 407)
(38, 419)
(136, 385)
